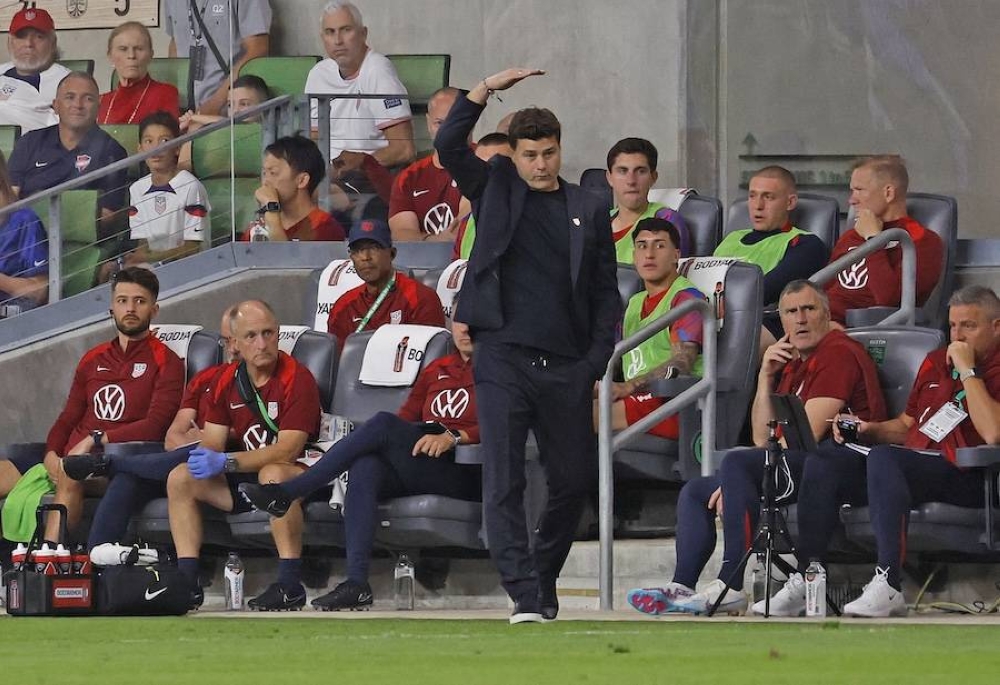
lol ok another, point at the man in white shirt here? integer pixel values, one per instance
(28, 82)
(379, 127)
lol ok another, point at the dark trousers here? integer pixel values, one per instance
(740, 476)
(832, 477)
(379, 460)
(898, 480)
(136, 480)
(518, 390)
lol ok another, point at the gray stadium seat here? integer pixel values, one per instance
(596, 182)
(659, 459)
(703, 216)
(939, 213)
(318, 353)
(418, 257)
(817, 214)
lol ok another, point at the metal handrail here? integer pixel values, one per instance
(54, 229)
(907, 314)
(609, 443)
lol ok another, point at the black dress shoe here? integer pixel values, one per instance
(548, 600)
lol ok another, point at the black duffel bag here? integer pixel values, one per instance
(142, 591)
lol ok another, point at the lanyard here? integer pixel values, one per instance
(196, 32)
(961, 393)
(377, 303)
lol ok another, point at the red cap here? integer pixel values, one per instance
(32, 18)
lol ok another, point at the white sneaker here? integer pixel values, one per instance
(735, 601)
(788, 601)
(879, 600)
(658, 600)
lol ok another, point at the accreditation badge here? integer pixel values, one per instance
(944, 421)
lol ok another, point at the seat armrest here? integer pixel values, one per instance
(470, 454)
(977, 457)
(136, 447)
(870, 316)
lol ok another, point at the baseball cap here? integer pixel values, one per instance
(32, 18)
(370, 229)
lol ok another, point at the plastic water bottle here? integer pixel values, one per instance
(815, 589)
(234, 582)
(17, 557)
(403, 579)
(81, 560)
(259, 232)
(64, 560)
(45, 560)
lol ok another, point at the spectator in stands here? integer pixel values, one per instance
(829, 372)
(954, 403)
(24, 254)
(631, 173)
(503, 126)
(29, 80)
(669, 354)
(130, 49)
(271, 442)
(135, 480)
(878, 196)
(365, 135)
(392, 455)
(75, 146)
(123, 390)
(487, 147)
(169, 211)
(783, 252)
(204, 38)
(387, 295)
(292, 170)
(425, 199)
(248, 91)
(541, 298)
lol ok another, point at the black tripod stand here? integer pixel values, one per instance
(771, 539)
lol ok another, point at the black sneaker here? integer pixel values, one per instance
(526, 610)
(278, 598)
(548, 600)
(197, 598)
(270, 498)
(347, 595)
(86, 466)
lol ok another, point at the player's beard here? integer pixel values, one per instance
(131, 329)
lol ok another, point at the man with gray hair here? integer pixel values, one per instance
(953, 404)
(28, 81)
(380, 127)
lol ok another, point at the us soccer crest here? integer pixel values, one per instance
(82, 162)
(138, 369)
(160, 204)
(272, 410)
(76, 8)
(396, 317)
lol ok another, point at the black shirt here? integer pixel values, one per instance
(39, 161)
(536, 284)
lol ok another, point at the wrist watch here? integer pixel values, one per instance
(231, 465)
(966, 375)
(98, 437)
(457, 435)
(268, 207)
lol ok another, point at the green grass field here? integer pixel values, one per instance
(282, 650)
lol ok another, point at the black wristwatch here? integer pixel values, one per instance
(97, 437)
(231, 465)
(269, 207)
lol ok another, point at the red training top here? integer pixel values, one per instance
(133, 103)
(409, 301)
(444, 392)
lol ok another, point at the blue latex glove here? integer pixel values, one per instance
(205, 463)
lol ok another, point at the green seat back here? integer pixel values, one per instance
(78, 222)
(283, 75)
(172, 70)
(9, 134)
(422, 75)
(127, 135)
(86, 65)
(223, 215)
(210, 154)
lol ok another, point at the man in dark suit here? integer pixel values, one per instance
(541, 300)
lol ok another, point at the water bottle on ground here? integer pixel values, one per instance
(403, 579)
(234, 582)
(815, 589)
